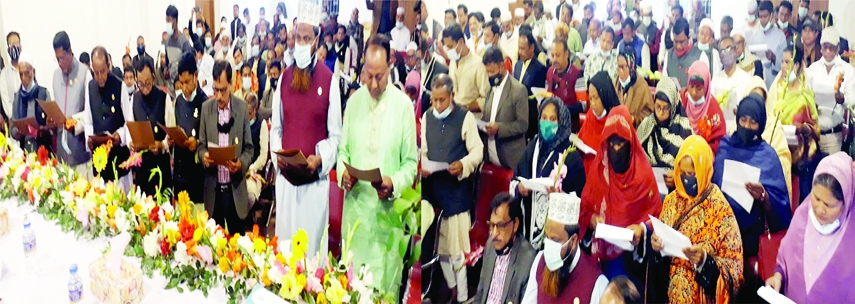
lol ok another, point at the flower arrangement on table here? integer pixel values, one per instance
(185, 246)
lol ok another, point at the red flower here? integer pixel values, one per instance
(43, 156)
(186, 230)
(164, 247)
(26, 174)
(154, 216)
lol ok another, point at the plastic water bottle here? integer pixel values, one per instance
(29, 239)
(75, 285)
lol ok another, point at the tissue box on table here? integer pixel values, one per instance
(126, 288)
(4, 220)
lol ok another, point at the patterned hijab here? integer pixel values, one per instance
(662, 140)
(696, 148)
(564, 126)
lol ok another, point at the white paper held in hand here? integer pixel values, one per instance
(673, 242)
(581, 145)
(659, 174)
(536, 184)
(736, 174)
(537, 93)
(621, 237)
(772, 296)
(432, 166)
(482, 125)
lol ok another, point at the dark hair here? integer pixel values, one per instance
(341, 27)
(99, 51)
(198, 45)
(126, 56)
(681, 26)
(663, 97)
(220, 67)
(236, 49)
(569, 7)
(723, 39)
(453, 31)
(514, 208)
(766, 6)
(452, 12)
(381, 41)
(610, 31)
(172, 11)
(84, 58)
(13, 34)
(493, 55)
(727, 20)
(679, 8)
(787, 5)
(478, 16)
(61, 41)
(626, 289)
(822, 16)
(538, 6)
(187, 64)
(493, 26)
(571, 230)
(275, 64)
(495, 13)
(236, 6)
(798, 54)
(628, 23)
(463, 7)
(830, 182)
(525, 32)
(417, 6)
(442, 81)
(424, 46)
(145, 62)
(806, 1)
(129, 70)
(562, 42)
(527, 2)
(588, 7)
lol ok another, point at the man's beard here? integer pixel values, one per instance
(553, 282)
(302, 78)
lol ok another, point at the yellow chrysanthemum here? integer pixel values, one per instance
(321, 299)
(259, 245)
(265, 279)
(111, 211)
(224, 264)
(300, 241)
(137, 209)
(198, 234)
(2, 140)
(233, 241)
(99, 159)
(221, 243)
(290, 288)
(335, 293)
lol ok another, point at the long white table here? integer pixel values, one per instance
(56, 251)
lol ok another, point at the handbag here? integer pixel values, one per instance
(767, 254)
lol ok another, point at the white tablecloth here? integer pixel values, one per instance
(56, 251)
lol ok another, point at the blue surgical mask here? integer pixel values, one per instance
(690, 184)
(548, 129)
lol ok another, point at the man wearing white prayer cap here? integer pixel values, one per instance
(519, 18)
(561, 272)
(745, 60)
(706, 39)
(751, 20)
(400, 34)
(412, 60)
(24, 105)
(831, 96)
(509, 42)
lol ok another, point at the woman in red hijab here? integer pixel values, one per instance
(602, 98)
(621, 191)
(701, 108)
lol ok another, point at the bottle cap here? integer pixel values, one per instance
(26, 223)
(72, 269)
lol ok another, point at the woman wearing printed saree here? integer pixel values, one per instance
(698, 210)
(601, 99)
(620, 191)
(815, 255)
(632, 90)
(540, 159)
(701, 108)
(662, 133)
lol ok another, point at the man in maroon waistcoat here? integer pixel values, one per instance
(306, 116)
(562, 273)
(561, 80)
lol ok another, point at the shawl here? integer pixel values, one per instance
(623, 199)
(706, 120)
(636, 97)
(697, 112)
(564, 126)
(592, 130)
(793, 105)
(711, 224)
(662, 141)
(832, 264)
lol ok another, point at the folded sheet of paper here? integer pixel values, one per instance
(293, 157)
(772, 296)
(117, 251)
(371, 176)
(673, 242)
(261, 295)
(537, 93)
(175, 133)
(141, 134)
(537, 184)
(758, 48)
(52, 110)
(619, 236)
(659, 174)
(432, 166)
(221, 155)
(482, 125)
(581, 145)
(736, 174)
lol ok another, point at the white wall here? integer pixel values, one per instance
(113, 24)
(224, 8)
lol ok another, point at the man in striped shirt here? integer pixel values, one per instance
(504, 273)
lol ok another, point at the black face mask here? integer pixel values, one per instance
(690, 184)
(745, 135)
(141, 50)
(274, 82)
(619, 159)
(507, 248)
(496, 80)
(14, 52)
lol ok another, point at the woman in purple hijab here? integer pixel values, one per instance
(815, 256)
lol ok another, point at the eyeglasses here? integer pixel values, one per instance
(662, 109)
(500, 225)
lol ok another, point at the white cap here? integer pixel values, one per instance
(519, 12)
(646, 7)
(752, 6)
(412, 46)
(400, 10)
(829, 35)
(309, 12)
(564, 208)
(25, 58)
(706, 22)
(506, 15)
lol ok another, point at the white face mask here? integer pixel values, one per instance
(768, 26)
(262, 34)
(246, 83)
(169, 30)
(452, 54)
(129, 89)
(224, 24)
(303, 55)
(791, 77)
(552, 254)
(208, 41)
(255, 50)
(783, 25)
(509, 34)
(751, 18)
(703, 46)
(199, 31)
(828, 63)
(696, 102)
(624, 83)
(823, 229)
(803, 11)
(616, 27)
(399, 25)
(225, 50)
(646, 20)
(442, 115)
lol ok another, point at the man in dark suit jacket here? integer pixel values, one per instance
(236, 22)
(511, 255)
(531, 73)
(225, 123)
(506, 113)
(434, 67)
